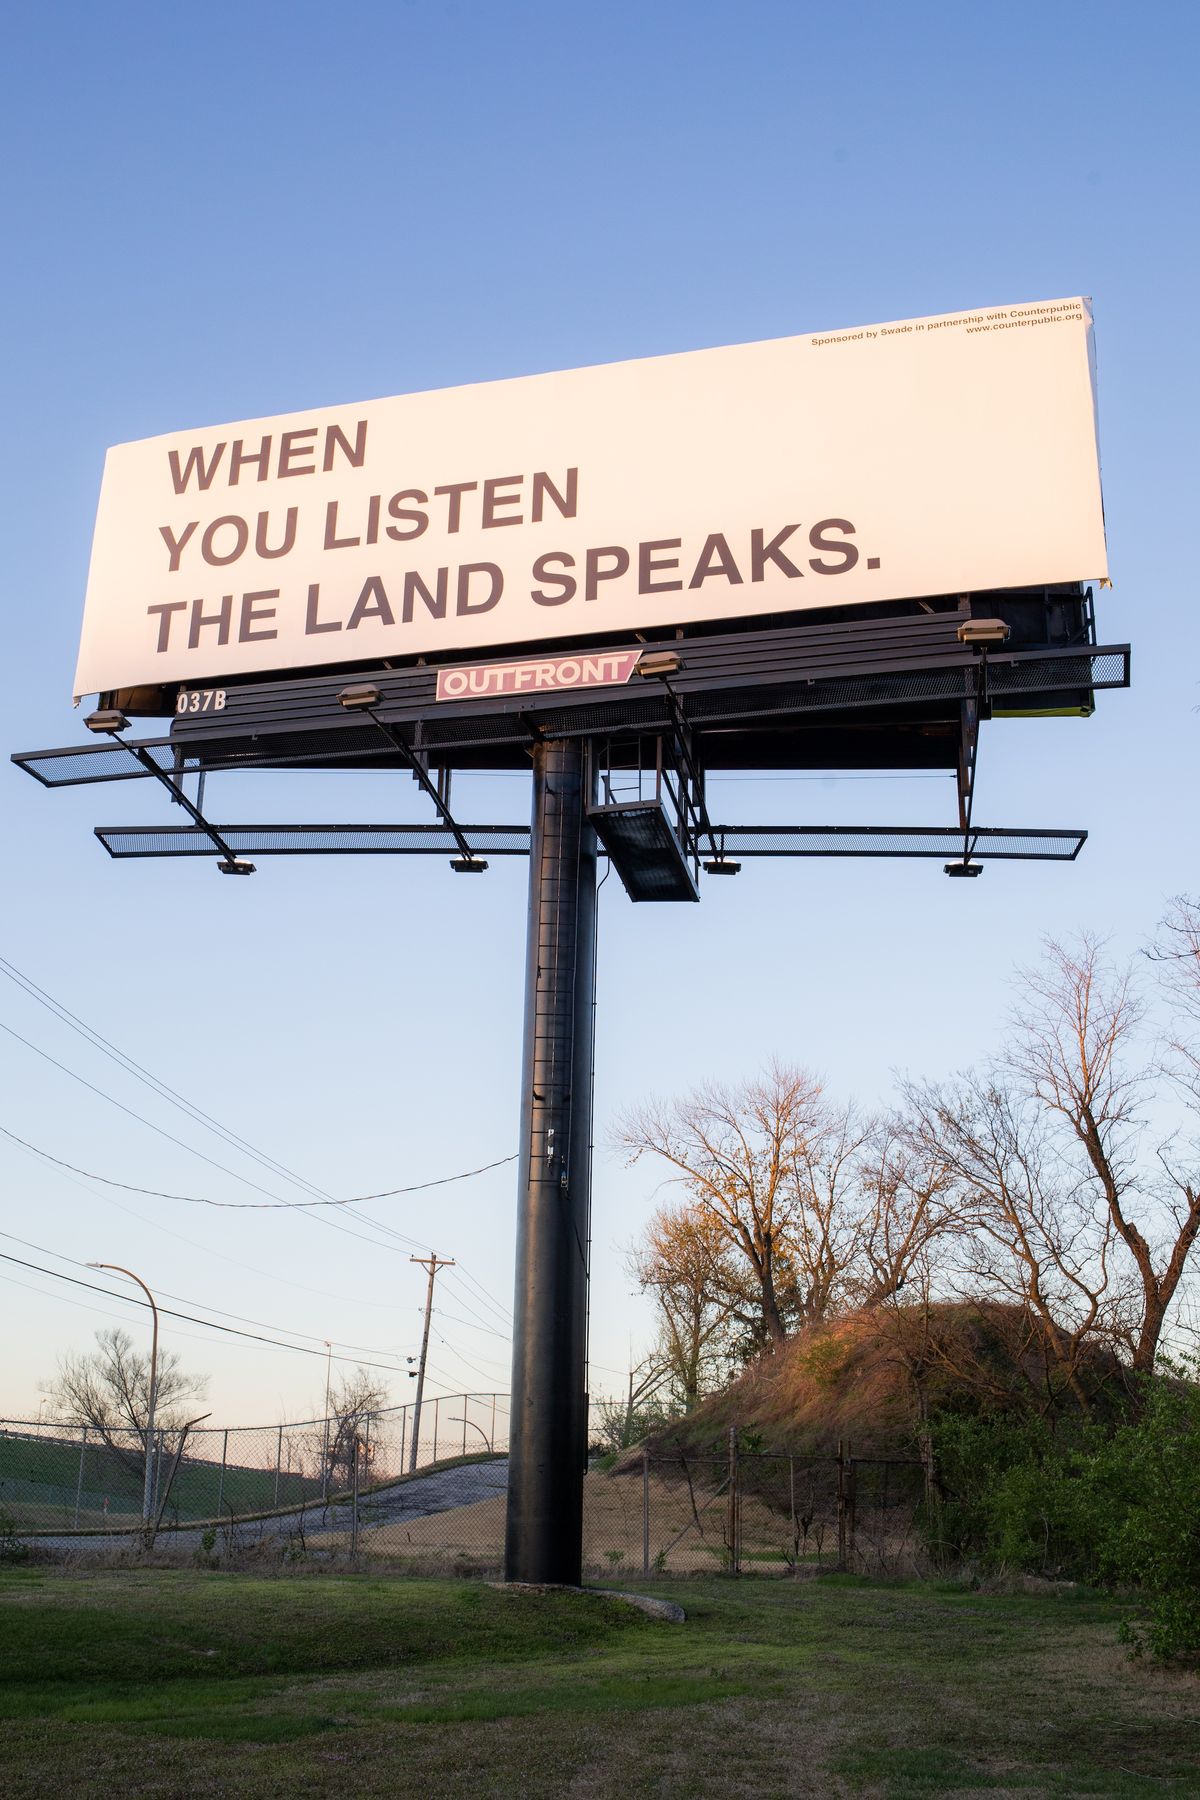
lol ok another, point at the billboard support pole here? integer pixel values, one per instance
(548, 1432)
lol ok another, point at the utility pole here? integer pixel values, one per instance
(433, 1264)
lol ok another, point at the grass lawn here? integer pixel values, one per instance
(195, 1683)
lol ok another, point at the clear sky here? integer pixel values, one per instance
(231, 211)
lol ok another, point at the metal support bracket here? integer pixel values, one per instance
(232, 864)
(438, 792)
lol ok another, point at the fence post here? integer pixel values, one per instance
(464, 1448)
(933, 1498)
(492, 1432)
(354, 1503)
(841, 1505)
(79, 1483)
(436, 1404)
(733, 1529)
(792, 1512)
(278, 1460)
(403, 1437)
(221, 1476)
(645, 1510)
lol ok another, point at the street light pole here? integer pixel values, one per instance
(148, 1487)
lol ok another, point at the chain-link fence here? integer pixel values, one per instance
(70, 1479)
(358, 1486)
(757, 1512)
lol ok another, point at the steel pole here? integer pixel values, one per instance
(548, 1427)
(431, 1263)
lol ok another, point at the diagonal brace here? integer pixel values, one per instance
(175, 789)
(421, 776)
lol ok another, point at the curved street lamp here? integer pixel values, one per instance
(474, 1427)
(148, 1485)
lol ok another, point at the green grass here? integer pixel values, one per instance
(40, 1477)
(205, 1683)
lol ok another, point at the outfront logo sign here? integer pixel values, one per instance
(932, 456)
(487, 680)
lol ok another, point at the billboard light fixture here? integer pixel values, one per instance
(964, 868)
(983, 631)
(660, 662)
(235, 865)
(468, 865)
(721, 866)
(362, 694)
(108, 718)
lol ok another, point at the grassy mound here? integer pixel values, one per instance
(874, 1377)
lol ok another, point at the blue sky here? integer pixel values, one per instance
(236, 211)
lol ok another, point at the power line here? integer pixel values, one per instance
(128, 1110)
(478, 1296)
(313, 1337)
(464, 1358)
(235, 1262)
(98, 1040)
(170, 1313)
(128, 1187)
(107, 1048)
(88, 1306)
(282, 1205)
(472, 1326)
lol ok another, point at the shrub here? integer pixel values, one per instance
(1086, 1501)
(1157, 1543)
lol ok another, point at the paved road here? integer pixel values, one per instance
(417, 1498)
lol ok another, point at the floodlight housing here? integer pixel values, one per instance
(468, 865)
(108, 718)
(983, 631)
(659, 662)
(721, 866)
(235, 865)
(360, 694)
(964, 869)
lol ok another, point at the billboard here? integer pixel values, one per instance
(927, 456)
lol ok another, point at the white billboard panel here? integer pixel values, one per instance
(929, 456)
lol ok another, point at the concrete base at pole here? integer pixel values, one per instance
(548, 1424)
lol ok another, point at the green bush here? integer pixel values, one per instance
(1156, 1545)
(1019, 1495)
(1074, 1499)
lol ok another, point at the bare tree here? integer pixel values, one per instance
(909, 1210)
(352, 1427)
(684, 1259)
(1176, 951)
(108, 1390)
(1076, 1050)
(826, 1228)
(1068, 1205)
(736, 1152)
(646, 1407)
(1027, 1229)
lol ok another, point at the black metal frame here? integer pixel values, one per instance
(880, 689)
(995, 843)
(895, 688)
